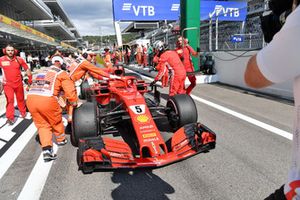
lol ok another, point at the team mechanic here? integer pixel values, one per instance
(185, 51)
(11, 65)
(107, 58)
(42, 102)
(178, 72)
(80, 66)
(277, 62)
(163, 74)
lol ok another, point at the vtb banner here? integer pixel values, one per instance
(153, 10)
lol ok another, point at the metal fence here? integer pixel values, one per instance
(218, 35)
(223, 35)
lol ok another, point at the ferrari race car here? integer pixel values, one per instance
(126, 126)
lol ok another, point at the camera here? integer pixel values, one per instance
(272, 20)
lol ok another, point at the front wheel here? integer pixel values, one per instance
(84, 123)
(182, 110)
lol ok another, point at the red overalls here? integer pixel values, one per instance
(12, 82)
(187, 61)
(145, 57)
(178, 75)
(163, 74)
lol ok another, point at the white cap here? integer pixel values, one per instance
(57, 58)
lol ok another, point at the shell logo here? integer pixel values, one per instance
(142, 118)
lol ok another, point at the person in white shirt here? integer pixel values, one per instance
(280, 61)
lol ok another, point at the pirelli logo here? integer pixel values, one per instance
(149, 135)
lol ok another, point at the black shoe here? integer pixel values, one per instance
(10, 122)
(49, 155)
(277, 195)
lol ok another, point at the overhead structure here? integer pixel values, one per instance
(65, 26)
(58, 10)
(41, 17)
(56, 29)
(12, 28)
(146, 15)
(155, 10)
(26, 10)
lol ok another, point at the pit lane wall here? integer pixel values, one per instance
(231, 71)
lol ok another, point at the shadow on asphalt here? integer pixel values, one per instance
(139, 184)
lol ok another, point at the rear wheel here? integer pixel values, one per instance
(85, 123)
(182, 110)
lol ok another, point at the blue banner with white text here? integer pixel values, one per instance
(145, 10)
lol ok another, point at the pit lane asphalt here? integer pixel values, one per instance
(248, 162)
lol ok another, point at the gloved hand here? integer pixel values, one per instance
(152, 83)
(74, 104)
(114, 76)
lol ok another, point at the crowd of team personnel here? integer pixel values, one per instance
(47, 87)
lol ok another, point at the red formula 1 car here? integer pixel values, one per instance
(125, 126)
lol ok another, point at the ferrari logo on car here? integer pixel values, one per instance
(142, 118)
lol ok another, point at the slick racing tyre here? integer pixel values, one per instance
(182, 111)
(84, 92)
(84, 122)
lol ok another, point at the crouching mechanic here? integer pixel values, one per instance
(277, 62)
(169, 58)
(42, 103)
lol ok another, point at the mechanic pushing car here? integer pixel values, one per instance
(89, 56)
(80, 66)
(178, 72)
(42, 103)
(185, 51)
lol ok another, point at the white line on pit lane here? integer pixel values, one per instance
(37, 178)
(251, 120)
(13, 152)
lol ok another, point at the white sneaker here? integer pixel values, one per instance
(49, 155)
(61, 143)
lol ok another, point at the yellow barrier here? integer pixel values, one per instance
(18, 25)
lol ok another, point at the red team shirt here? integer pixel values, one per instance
(11, 70)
